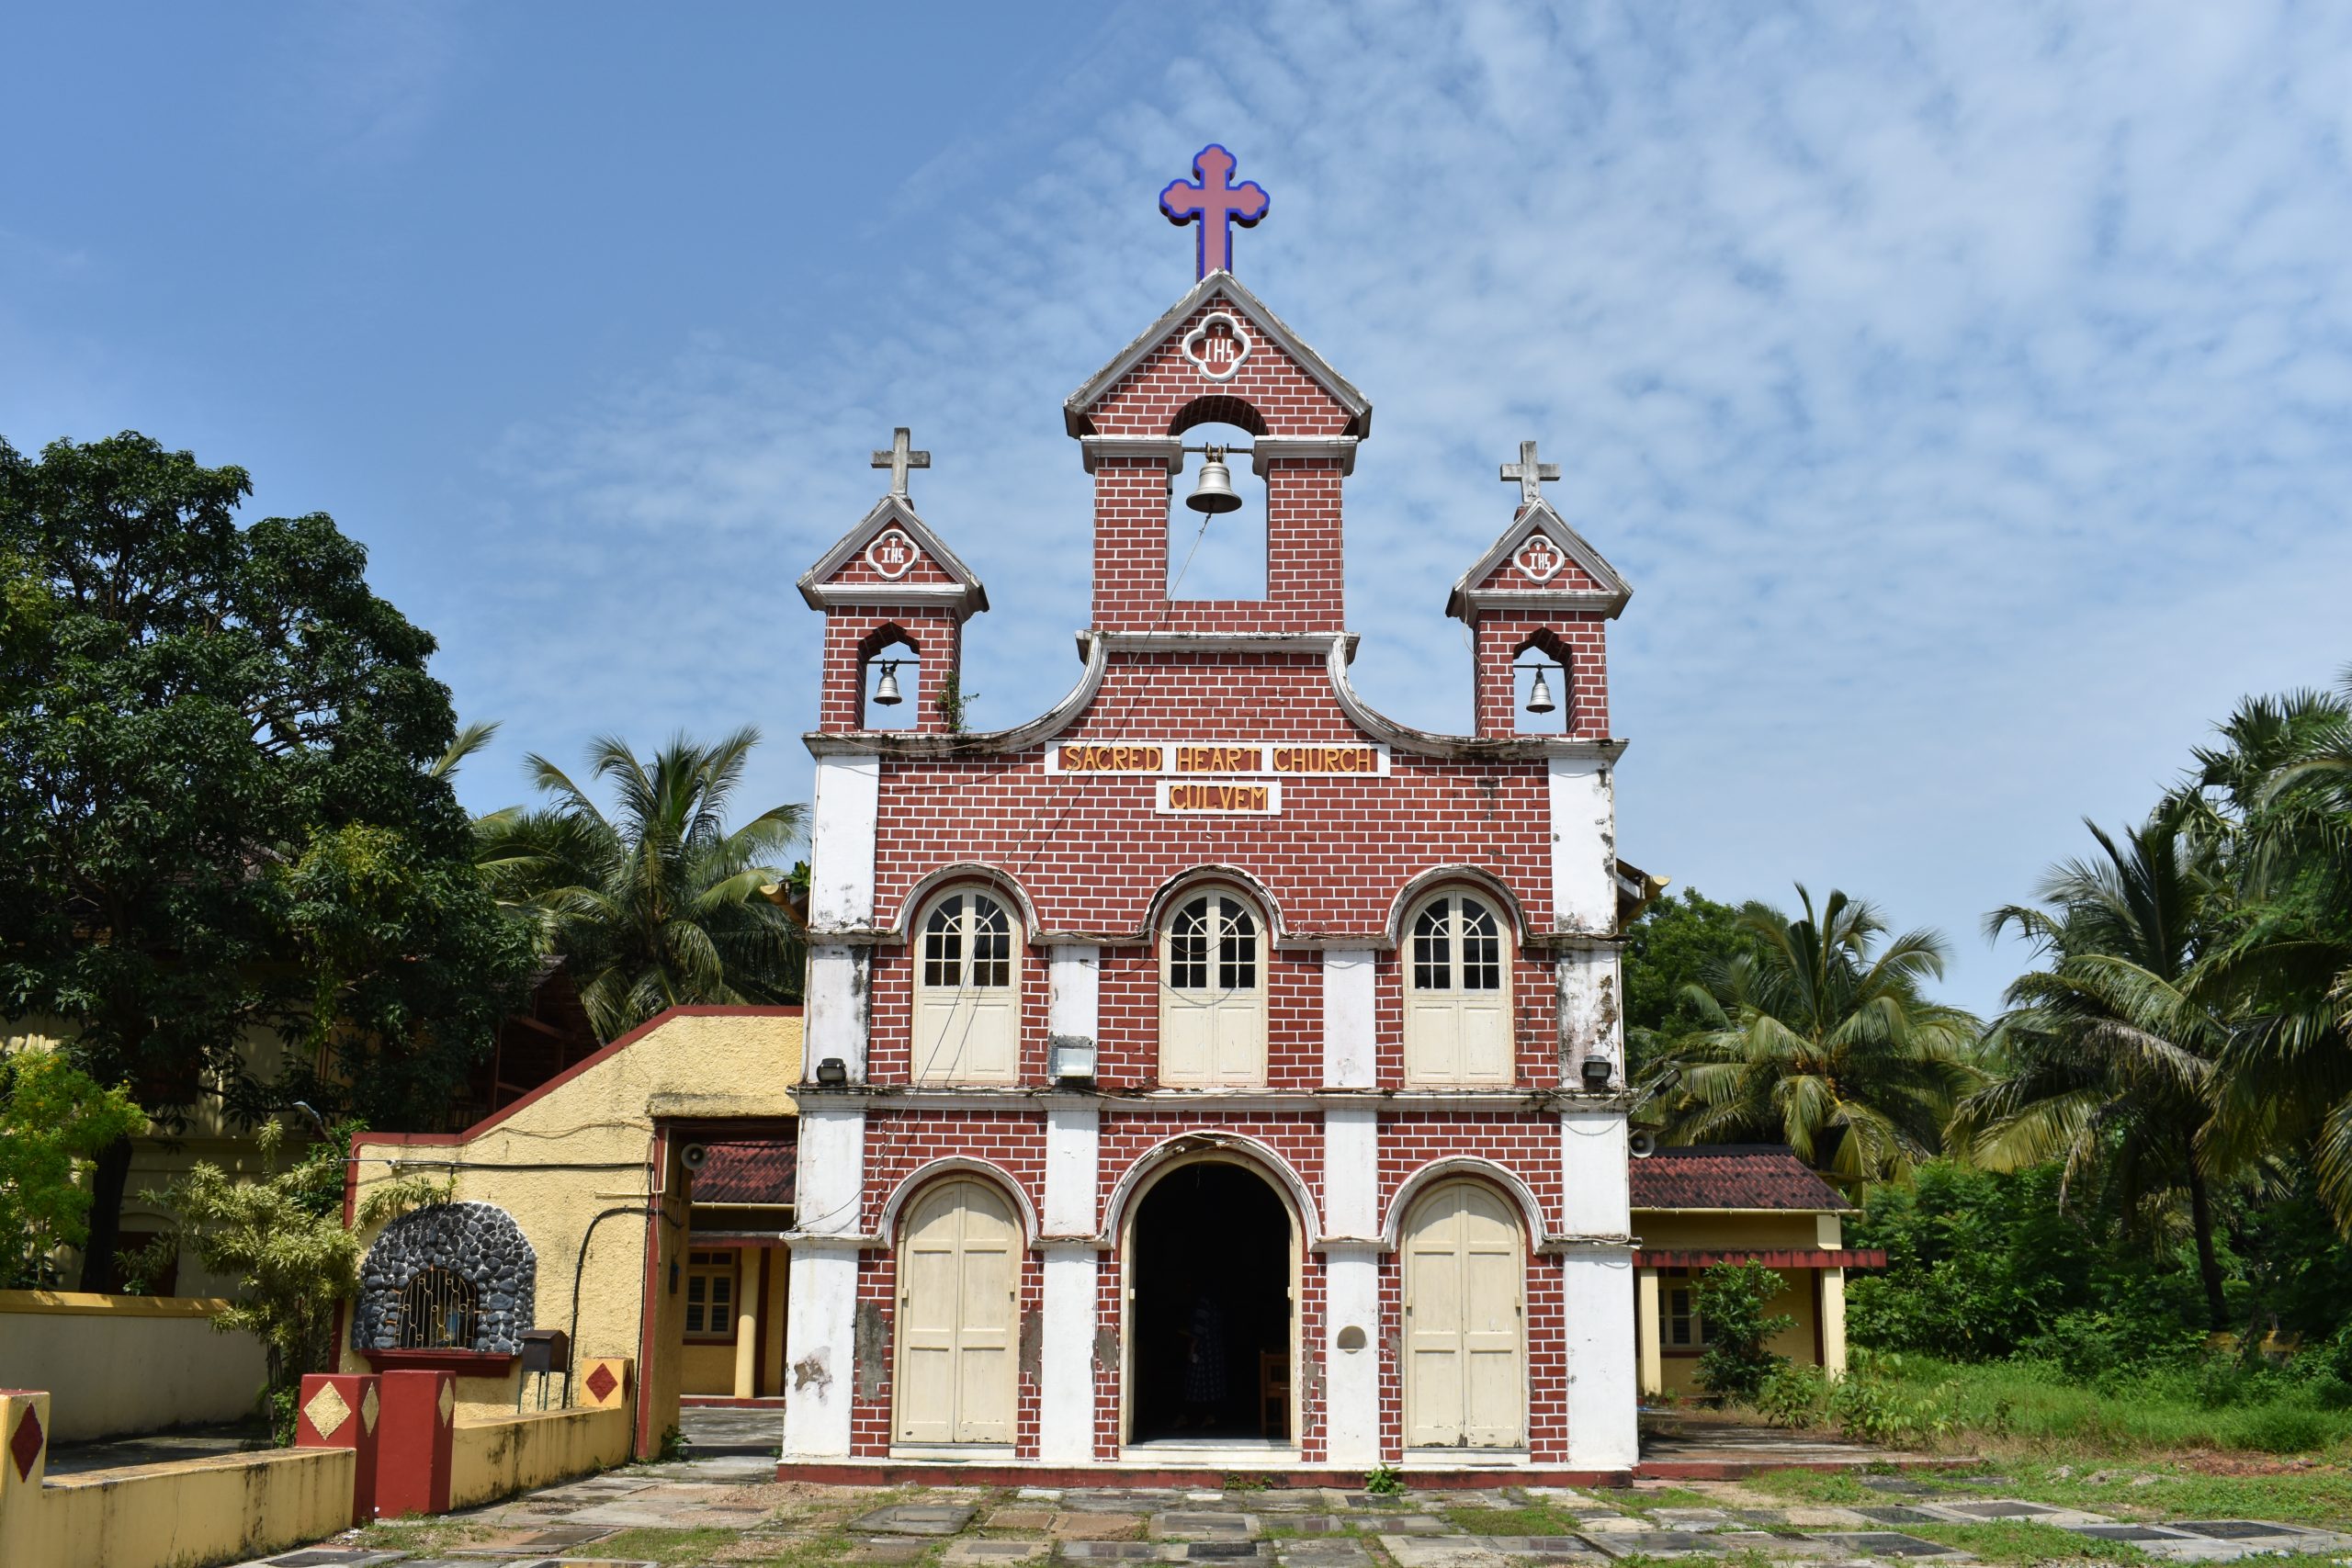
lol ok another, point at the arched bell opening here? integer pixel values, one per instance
(1217, 505)
(1541, 692)
(890, 686)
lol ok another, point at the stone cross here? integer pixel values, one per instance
(899, 459)
(1218, 204)
(1530, 474)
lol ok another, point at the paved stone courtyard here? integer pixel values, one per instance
(729, 1508)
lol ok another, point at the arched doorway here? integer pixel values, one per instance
(1465, 1320)
(1212, 1274)
(959, 1286)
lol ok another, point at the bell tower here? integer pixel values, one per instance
(892, 595)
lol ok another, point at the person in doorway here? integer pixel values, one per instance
(1204, 1380)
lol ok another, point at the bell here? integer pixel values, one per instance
(1212, 491)
(886, 694)
(1539, 696)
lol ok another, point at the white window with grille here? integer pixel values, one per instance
(1457, 994)
(967, 1006)
(1213, 995)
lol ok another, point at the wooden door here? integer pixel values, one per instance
(1213, 997)
(1466, 1383)
(959, 1283)
(1457, 996)
(967, 1015)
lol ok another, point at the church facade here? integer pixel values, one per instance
(1212, 1072)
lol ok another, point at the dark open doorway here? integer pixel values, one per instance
(1212, 1316)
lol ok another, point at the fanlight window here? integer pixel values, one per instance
(1213, 998)
(967, 999)
(437, 1311)
(1457, 994)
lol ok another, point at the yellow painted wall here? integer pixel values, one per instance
(586, 1146)
(501, 1456)
(707, 1367)
(118, 1364)
(172, 1515)
(1682, 1228)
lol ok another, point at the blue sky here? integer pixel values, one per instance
(1964, 389)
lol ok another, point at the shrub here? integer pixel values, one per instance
(1791, 1395)
(2282, 1428)
(1732, 1297)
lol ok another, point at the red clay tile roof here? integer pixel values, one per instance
(751, 1172)
(1730, 1176)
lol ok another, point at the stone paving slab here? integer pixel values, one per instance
(1204, 1526)
(1685, 1543)
(916, 1518)
(1442, 1551)
(1109, 1551)
(1888, 1543)
(1975, 1511)
(1547, 1548)
(1095, 1526)
(995, 1551)
(1325, 1553)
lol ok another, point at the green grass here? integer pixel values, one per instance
(1530, 1521)
(652, 1543)
(2022, 1542)
(2154, 1411)
(1640, 1500)
(1835, 1488)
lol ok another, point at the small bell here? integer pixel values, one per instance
(1539, 696)
(886, 692)
(1212, 491)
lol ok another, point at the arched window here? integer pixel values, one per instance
(968, 1011)
(1457, 994)
(1213, 995)
(437, 1311)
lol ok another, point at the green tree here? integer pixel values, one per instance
(216, 734)
(2109, 1055)
(54, 1118)
(1732, 1298)
(2274, 804)
(1669, 948)
(282, 1239)
(660, 904)
(1823, 1039)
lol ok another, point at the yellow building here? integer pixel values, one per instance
(1728, 1204)
(636, 1203)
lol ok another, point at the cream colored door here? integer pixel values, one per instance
(967, 1015)
(959, 1283)
(1213, 997)
(1465, 1384)
(1457, 996)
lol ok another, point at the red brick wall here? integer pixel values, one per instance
(937, 637)
(1583, 695)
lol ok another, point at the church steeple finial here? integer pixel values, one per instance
(901, 456)
(1215, 203)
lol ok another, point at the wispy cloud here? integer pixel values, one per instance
(1964, 391)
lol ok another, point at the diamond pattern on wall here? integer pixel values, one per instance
(367, 1408)
(448, 1399)
(327, 1410)
(600, 1382)
(24, 1443)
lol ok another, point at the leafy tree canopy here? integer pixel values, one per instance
(1669, 947)
(54, 1118)
(219, 805)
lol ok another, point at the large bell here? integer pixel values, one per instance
(1539, 696)
(886, 692)
(1212, 491)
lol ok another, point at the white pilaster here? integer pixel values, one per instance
(1066, 1360)
(821, 1326)
(1591, 1010)
(1349, 1051)
(836, 1022)
(1073, 1004)
(1597, 1291)
(841, 841)
(1584, 846)
(1351, 1273)
(1833, 1321)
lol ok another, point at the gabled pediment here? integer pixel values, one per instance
(1540, 561)
(1078, 409)
(892, 557)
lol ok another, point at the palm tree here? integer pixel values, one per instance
(660, 904)
(1823, 1039)
(2110, 1052)
(2275, 802)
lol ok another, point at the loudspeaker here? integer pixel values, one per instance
(1641, 1144)
(693, 1155)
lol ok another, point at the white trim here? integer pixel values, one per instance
(886, 1225)
(962, 874)
(1350, 1018)
(1580, 798)
(955, 1454)
(1537, 516)
(1245, 803)
(1532, 601)
(1209, 1101)
(1352, 1378)
(820, 1345)
(1536, 1230)
(841, 839)
(1077, 407)
(1201, 330)
(1267, 449)
(1604, 1359)
(1069, 1296)
(888, 513)
(1166, 450)
(1156, 912)
(1208, 1141)
(1436, 879)
(873, 595)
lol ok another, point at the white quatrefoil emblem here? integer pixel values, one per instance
(1539, 560)
(1219, 346)
(892, 554)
